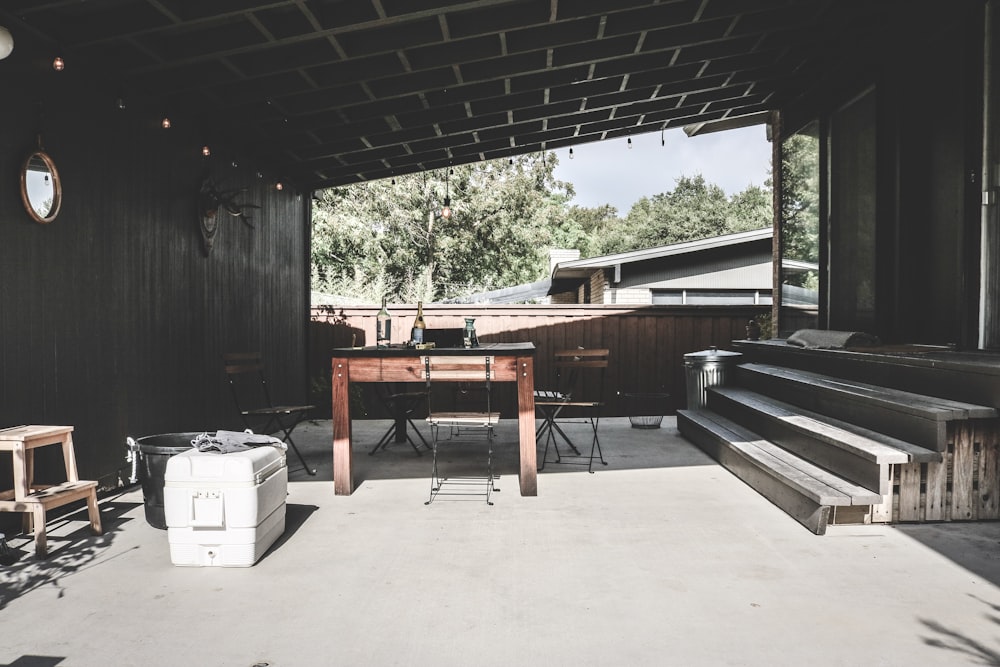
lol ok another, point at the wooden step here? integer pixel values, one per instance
(822, 440)
(802, 489)
(915, 418)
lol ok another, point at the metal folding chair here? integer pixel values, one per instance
(245, 373)
(579, 394)
(401, 405)
(452, 369)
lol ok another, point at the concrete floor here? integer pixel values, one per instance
(661, 558)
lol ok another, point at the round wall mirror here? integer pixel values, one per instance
(41, 190)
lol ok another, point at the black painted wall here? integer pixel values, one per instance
(112, 318)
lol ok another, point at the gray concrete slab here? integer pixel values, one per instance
(660, 558)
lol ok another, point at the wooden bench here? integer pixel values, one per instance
(807, 492)
(915, 418)
(33, 500)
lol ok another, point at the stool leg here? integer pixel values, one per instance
(93, 512)
(38, 516)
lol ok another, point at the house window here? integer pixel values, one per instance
(707, 297)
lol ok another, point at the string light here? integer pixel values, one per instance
(58, 64)
(206, 151)
(165, 123)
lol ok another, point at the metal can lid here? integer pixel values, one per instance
(712, 354)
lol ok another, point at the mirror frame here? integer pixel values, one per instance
(56, 187)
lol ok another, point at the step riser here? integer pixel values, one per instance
(861, 471)
(804, 510)
(924, 432)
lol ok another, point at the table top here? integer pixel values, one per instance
(520, 349)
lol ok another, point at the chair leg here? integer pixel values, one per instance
(435, 483)
(490, 479)
(287, 439)
(594, 421)
(384, 440)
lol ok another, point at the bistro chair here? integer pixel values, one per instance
(401, 405)
(245, 373)
(578, 397)
(469, 426)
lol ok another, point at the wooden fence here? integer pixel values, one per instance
(647, 343)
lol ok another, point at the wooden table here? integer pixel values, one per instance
(514, 363)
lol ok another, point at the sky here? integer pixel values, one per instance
(608, 172)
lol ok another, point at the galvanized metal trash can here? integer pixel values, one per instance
(708, 368)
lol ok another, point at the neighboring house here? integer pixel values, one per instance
(734, 269)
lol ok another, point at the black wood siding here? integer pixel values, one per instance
(112, 319)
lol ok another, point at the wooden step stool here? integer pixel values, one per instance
(33, 500)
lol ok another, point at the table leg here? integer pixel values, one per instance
(526, 425)
(343, 474)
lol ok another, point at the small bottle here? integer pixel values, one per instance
(383, 326)
(417, 333)
(469, 338)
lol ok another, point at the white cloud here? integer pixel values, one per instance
(608, 172)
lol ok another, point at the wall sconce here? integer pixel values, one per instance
(6, 42)
(165, 123)
(58, 64)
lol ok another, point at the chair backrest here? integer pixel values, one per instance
(245, 373)
(472, 370)
(580, 373)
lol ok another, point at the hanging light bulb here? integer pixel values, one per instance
(571, 154)
(120, 103)
(279, 186)
(58, 64)
(446, 209)
(630, 143)
(205, 150)
(663, 141)
(165, 123)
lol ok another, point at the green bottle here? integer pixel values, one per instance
(383, 327)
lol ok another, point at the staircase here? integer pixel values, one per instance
(835, 450)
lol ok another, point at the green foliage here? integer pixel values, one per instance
(800, 205)
(694, 209)
(381, 237)
(387, 238)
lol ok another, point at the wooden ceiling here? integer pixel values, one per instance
(331, 92)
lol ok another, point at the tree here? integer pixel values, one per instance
(800, 205)
(388, 237)
(694, 209)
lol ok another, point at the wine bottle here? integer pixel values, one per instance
(417, 333)
(383, 327)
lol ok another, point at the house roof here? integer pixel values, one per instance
(332, 92)
(583, 268)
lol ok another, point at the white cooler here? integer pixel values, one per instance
(224, 509)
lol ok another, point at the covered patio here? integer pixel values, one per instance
(661, 558)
